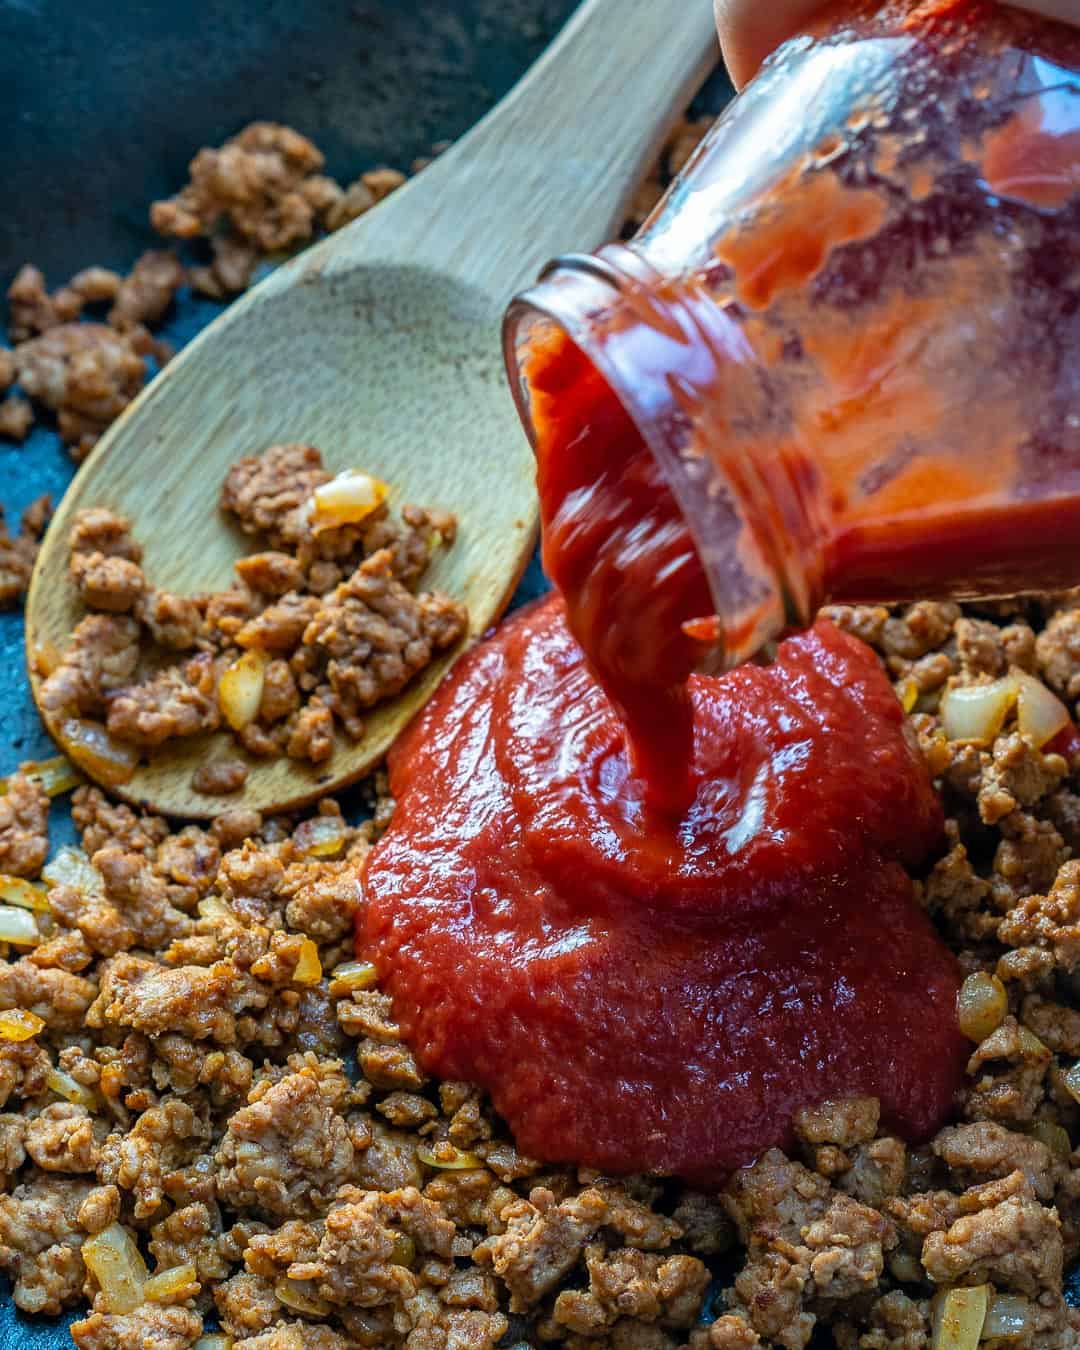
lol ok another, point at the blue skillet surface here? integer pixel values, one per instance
(103, 103)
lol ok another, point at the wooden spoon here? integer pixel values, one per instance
(380, 345)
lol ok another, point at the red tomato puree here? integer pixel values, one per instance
(656, 977)
(640, 998)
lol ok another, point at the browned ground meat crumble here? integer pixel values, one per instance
(314, 633)
(260, 193)
(212, 1073)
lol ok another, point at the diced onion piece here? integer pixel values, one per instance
(213, 907)
(346, 500)
(977, 712)
(1030, 1044)
(352, 976)
(1040, 714)
(321, 837)
(116, 1263)
(19, 927)
(71, 867)
(936, 752)
(309, 967)
(47, 657)
(216, 1341)
(71, 1089)
(403, 1252)
(907, 691)
(1055, 1137)
(16, 1024)
(981, 1005)
(1008, 1318)
(93, 749)
(240, 689)
(16, 891)
(56, 775)
(959, 1315)
(172, 1286)
(448, 1158)
(298, 1295)
(1071, 1080)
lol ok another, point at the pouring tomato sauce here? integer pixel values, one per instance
(659, 980)
(645, 994)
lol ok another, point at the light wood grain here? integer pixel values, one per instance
(381, 346)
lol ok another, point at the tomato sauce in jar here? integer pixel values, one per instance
(848, 335)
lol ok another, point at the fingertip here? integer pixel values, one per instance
(750, 29)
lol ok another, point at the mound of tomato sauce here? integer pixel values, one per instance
(647, 994)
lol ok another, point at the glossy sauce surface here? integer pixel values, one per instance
(636, 997)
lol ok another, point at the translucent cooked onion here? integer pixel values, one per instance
(47, 658)
(959, 1315)
(309, 968)
(352, 976)
(976, 712)
(1040, 714)
(71, 867)
(1055, 1137)
(321, 837)
(907, 691)
(17, 891)
(448, 1158)
(71, 1089)
(981, 1005)
(91, 746)
(346, 500)
(403, 1252)
(116, 1263)
(172, 1286)
(1071, 1081)
(16, 1024)
(1030, 1044)
(240, 689)
(1008, 1318)
(300, 1296)
(55, 775)
(19, 927)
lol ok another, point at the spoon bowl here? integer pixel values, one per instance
(380, 346)
(413, 347)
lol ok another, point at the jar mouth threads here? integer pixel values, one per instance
(665, 348)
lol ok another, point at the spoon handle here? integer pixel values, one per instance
(552, 167)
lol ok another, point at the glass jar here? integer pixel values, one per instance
(849, 337)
